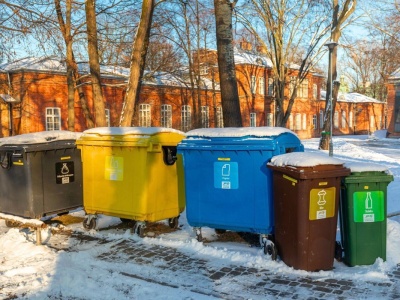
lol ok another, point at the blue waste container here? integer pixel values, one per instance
(227, 183)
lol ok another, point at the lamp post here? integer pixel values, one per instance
(331, 46)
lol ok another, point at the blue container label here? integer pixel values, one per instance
(226, 175)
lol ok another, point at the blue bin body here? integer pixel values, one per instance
(227, 183)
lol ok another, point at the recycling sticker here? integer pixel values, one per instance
(322, 203)
(226, 175)
(369, 206)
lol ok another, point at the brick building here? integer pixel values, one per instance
(33, 94)
(393, 105)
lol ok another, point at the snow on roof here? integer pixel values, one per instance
(107, 131)
(39, 137)
(365, 167)
(8, 98)
(352, 98)
(304, 159)
(238, 132)
(242, 57)
(395, 75)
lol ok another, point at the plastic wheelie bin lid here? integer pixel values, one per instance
(38, 140)
(367, 172)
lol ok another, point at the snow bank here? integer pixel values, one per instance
(304, 159)
(40, 137)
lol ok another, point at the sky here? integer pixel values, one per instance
(80, 270)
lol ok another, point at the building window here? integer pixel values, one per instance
(270, 119)
(302, 90)
(261, 86)
(321, 119)
(304, 125)
(144, 115)
(186, 118)
(315, 91)
(270, 86)
(108, 117)
(298, 122)
(344, 119)
(314, 122)
(166, 116)
(372, 123)
(253, 84)
(291, 122)
(220, 119)
(336, 120)
(205, 117)
(53, 118)
(253, 120)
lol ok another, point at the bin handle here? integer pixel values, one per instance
(6, 161)
(169, 155)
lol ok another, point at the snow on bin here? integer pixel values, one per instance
(130, 173)
(362, 215)
(227, 183)
(306, 199)
(40, 174)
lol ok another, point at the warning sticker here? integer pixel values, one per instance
(65, 172)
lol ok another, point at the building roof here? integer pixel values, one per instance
(395, 75)
(352, 98)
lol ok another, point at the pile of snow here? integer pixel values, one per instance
(304, 159)
(40, 137)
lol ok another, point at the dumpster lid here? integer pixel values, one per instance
(263, 131)
(39, 137)
(359, 167)
(114, 131)
(304, 159)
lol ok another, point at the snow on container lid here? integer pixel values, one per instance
(40, 137)
(238, 132)
(304, 159)
(106, 131)
(365, 167)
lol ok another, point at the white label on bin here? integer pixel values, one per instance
(114, 168)
(226, 175)
(65, 172)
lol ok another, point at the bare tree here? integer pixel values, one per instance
(291, 35)
(226, 63)
(138, 59)
(91, 25)
(341, 11)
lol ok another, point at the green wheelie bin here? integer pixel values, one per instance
(362, 214)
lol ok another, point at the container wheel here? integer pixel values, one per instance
(139, 229)
(173, 222)
(338, 251)
(89, 223)
(220, 231)
(270, 249)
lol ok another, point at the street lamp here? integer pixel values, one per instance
(331, 46)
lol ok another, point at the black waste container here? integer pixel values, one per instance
(40, 174)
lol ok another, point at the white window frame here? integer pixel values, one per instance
(315, 121)
(186, 117)
(205, 116)
(253, 119)
(315, 91)
(304, 124)
(336, 120)
(351, 118)
(261, 85)
(291, 122)
(53, 118)
(270, 86)
(344, 119)
(302, 90)
(108, 122)
(321, 119)
(297, 122)
(144, 115)
(372, 123)
(253, 84)
(270, 119)
(220, 117)
(166, 115)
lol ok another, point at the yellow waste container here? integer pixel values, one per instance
(131, 173)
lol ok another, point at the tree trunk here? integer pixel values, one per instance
(98, 102)
(138, 59)
(226, 64)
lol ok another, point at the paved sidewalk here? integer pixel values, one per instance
(177, 268)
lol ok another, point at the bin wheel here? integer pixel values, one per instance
(270, 249)
(139, 229)
(89, 223)
(220, 231)
(173, 222)
(11, 224)
(338, 251)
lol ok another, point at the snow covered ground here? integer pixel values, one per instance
(92, 267)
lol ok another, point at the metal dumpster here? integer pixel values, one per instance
(227, 183)
(306, 200)
(130, 173)
(363, 214)
(40, 174)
